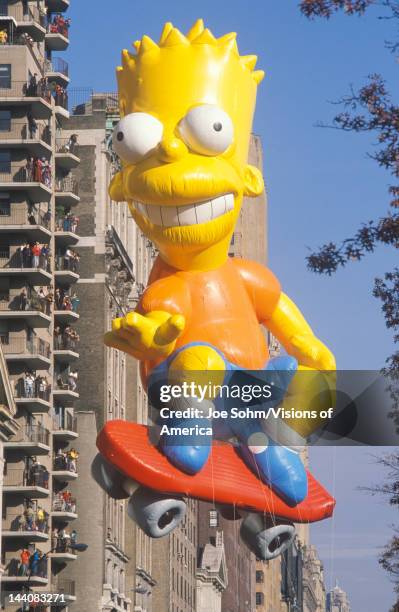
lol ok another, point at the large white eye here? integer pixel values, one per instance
(135, 136)
(207, 129)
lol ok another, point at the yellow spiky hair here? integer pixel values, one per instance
(147, 50)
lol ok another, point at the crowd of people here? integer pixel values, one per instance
(71, 382)
(59, 25)
(33, 255)
(69, 223)
(65, 339)
(69, 261)
(33, 385)
(64, 502)
(32, 519)
(36, 300)
(32, 563)
(38, 170)
(65, 301)
(63, 541)
(41, 87)
(66, 460)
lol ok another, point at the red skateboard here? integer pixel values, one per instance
(225, 479)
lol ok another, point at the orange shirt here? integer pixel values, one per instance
(223, 307)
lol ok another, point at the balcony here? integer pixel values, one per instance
(14, 265)
(64, 428)
(65, 316)
(19, 93)
(64, 507)
(67, 272)
(32, 224)
(66, 191)
(35, 440)
(35, 401)
(37, 142)
(66, 154)
(65, 232)
(57, 6)
(66, 353)
(14, 177)
(34, 353)
(65, 396)
(27, 526)
(57, 37)
(28, 19)
(10, 310)
(14, 582)
(65, 587)
(57, 70)
(32, 486)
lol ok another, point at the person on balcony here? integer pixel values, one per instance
(72, 456)
(23, 299)
(57, 338)
(36, 252)
(29, 383)
(34, 562)
(67, 259)
(46, 172)
(24, 565)
(38, 170)
(29, 516)
(3, 37)
(30, 169)
(75, 301)
(44, 255)
(73, 379)
(32, 125)
(26, 256)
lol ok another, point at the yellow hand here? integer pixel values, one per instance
(311, 352)
(147, 336)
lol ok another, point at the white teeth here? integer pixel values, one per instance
(172, 216)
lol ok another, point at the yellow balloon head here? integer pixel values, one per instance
(189, 100)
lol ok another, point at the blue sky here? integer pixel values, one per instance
(321, 186)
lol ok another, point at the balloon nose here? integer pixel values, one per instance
(171, 149)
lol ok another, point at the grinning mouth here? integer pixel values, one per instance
(200, 212)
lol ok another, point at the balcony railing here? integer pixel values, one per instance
(64, 145)
(65, 422)
(15, 173)
(37, 390)
(65, 344)
(15, 477)
(64, 502)
(20, 130)
(20, 216)
(65, 586)
(16, 260)
(35, 521)
(57, 64)
(67, 184)
(34, 433)
(22, 346)
(58, 27)
(66, 224)
(23, 14)
(64, 462)
(21, 89)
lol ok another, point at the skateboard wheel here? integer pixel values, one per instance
(265, 537)
(108, 478)
(156, 514)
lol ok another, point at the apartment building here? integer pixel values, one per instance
(38, 270)
(115, 573)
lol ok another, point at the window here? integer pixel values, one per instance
(5, 162)
(5, 205)
(5, 118)
(260, 576)
(5, 76)
(213, 518)
(260, 598)
(3, 8)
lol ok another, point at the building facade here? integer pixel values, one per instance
(337, 600)
(37, 274)
(115, 259)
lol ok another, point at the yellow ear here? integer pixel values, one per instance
(115, 189)
(253, 181)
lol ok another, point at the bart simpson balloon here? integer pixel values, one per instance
(186, 107)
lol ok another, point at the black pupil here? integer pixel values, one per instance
(217, 126)
(119, 136)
